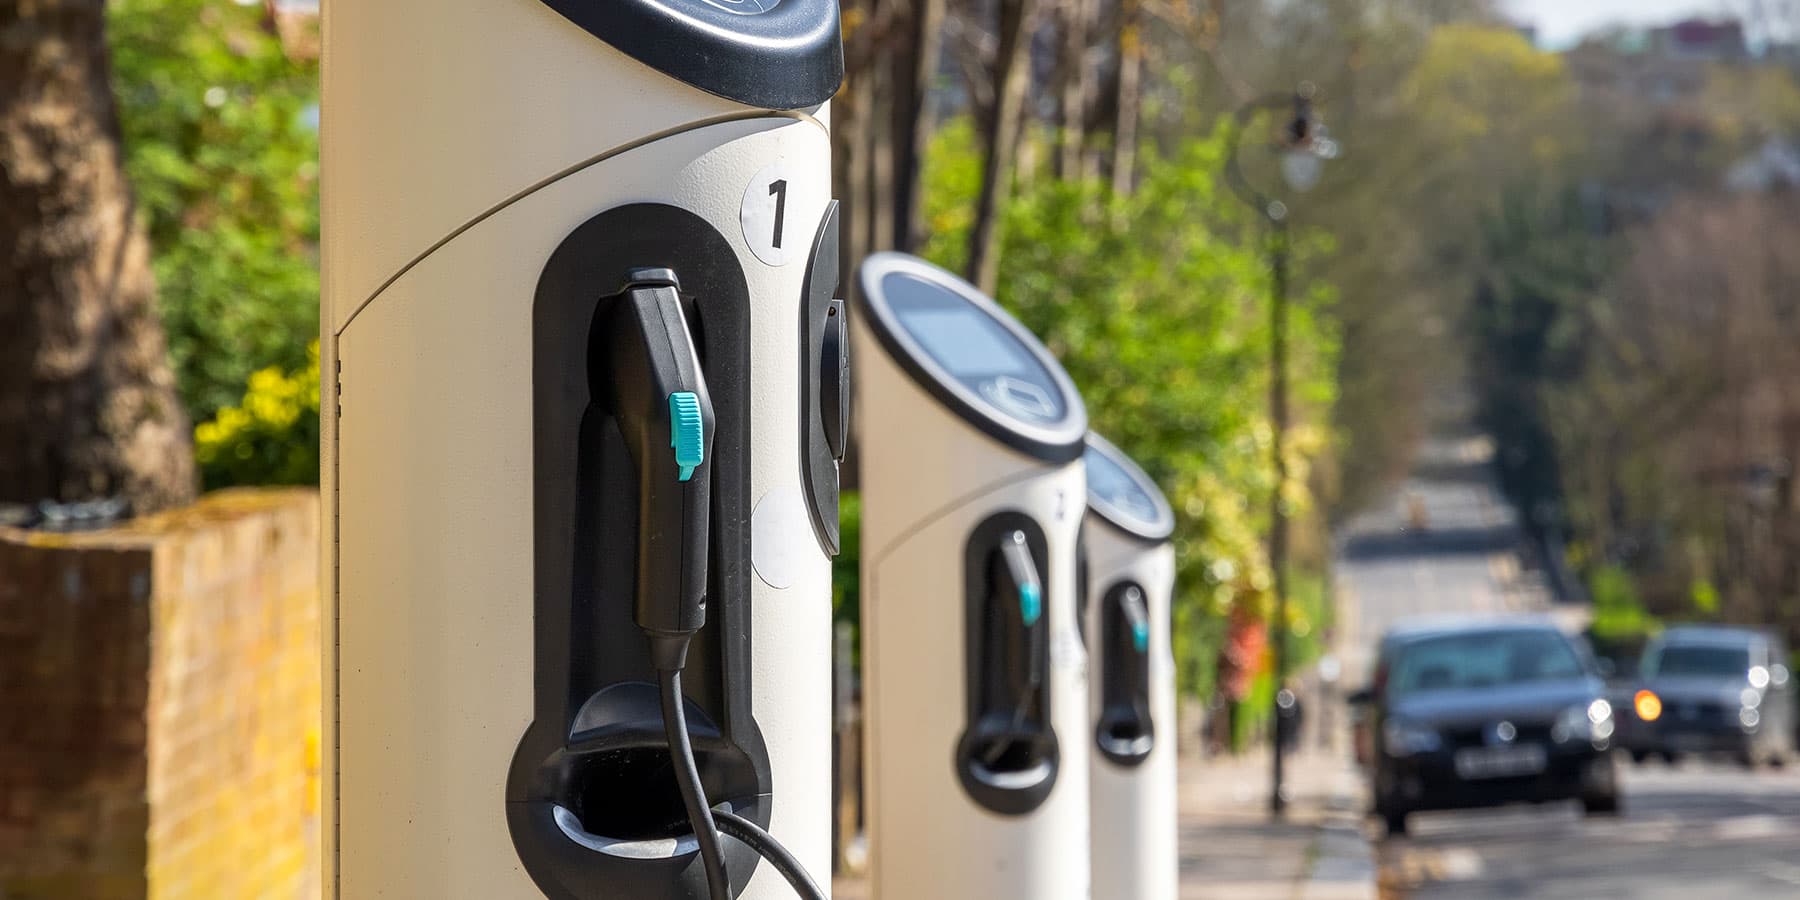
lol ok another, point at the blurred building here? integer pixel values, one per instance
(1657, 65)
(1774, 166)
(1701, 39)
(1676, 108)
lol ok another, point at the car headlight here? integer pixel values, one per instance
(1749, 715)
(1593, 722)
(1405, 739)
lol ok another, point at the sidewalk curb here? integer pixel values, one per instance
(1342, 861)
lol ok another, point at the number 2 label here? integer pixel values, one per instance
(765, 215)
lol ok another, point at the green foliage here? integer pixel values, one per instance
(1479, 84)
(1310, 617)
(1254, 712)
(1441, 111)
(1750, 104)
(1199, 637)
(224, 163)
(1619, 614)
(846, 572)
(1705, 597)
(1156, 303)
(1528, 325)
(846, 568)
(271, 437)
(1309, 620)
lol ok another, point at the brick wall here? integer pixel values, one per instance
(74, 681)
(159, 705)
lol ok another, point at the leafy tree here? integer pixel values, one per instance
(1528, 328)
(1155, 302)
(223, 152)
(1678, 436)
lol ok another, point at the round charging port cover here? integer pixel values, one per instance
(769, 54)
(972, 356)
(1123, 495)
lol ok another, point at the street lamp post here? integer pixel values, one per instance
(1304, 147)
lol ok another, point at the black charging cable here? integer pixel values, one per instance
(687, 775)
(766, 846)
(706, 822)
(657, 390)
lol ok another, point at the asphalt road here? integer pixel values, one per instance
(1715, 832)
(1448, 544)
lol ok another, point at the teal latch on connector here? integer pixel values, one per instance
(1031, 603)
(687, 431)
(1140, 636)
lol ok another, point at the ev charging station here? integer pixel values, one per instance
(1129, 580)
(970, 437)
(586, 397)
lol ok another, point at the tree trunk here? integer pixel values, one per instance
(849, 139)
(915, 68)
(1131, 67)
(87, 401)
(1011, 67)
(1074, 84)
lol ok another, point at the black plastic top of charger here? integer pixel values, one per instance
(772, 54)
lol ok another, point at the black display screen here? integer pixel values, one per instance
(1111, 484)
(978, 352)
(967, 343)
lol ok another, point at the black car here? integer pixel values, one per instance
(1713, 690)
(1486, 713)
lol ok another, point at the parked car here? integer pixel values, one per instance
(1712, 690)
(1485, 713)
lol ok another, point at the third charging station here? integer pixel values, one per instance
(1128, 578)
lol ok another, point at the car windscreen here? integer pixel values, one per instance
(1676, 660)
(1482, 659)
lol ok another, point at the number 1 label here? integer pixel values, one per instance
(765, 215)
(778, 190)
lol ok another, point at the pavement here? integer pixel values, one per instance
(1232, 850)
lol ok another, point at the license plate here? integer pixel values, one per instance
(1499, 762)
(1688, 743)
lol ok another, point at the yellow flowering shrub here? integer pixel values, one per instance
(271, 436)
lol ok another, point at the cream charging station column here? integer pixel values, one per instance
(973, 492)
(583, 410)
(1130, 572)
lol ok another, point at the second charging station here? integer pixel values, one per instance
(971, 438)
